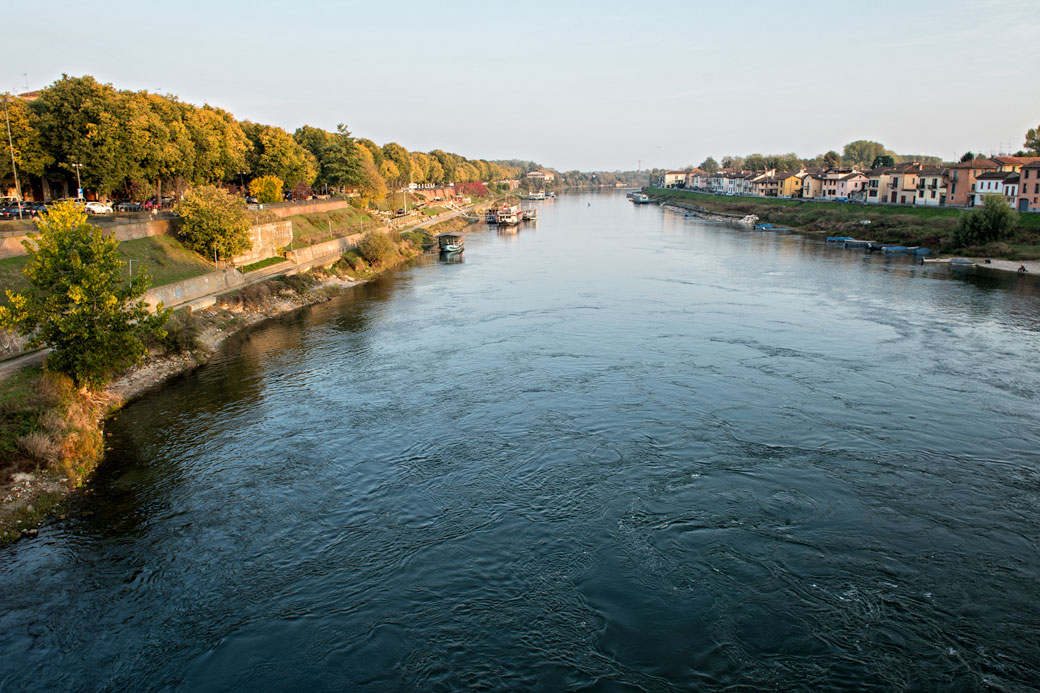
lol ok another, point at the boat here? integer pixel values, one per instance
(491, 216)
(550, 195)
(853, 243)
(529, 215)
(962, 263)
(894, 249)
(450, 243)
(839, 239)
(640, 199)
(763, 227)
(537, 195)
(922, 251)
(509, 215)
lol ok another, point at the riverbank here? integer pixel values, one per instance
(51, 437)
(931, 227)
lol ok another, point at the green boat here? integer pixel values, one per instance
(450, 243)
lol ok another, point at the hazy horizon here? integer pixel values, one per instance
(609, 88)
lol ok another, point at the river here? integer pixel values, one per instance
(620, 449)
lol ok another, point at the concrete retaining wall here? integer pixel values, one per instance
(329, 250)
(268, 240)
(196, 287)
(305, 208)
(11, 246)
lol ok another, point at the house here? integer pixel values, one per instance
(1004, 183)
(812, 185)
(789, 184)
(962, 180)
(1029, 187)
(902, 187)
(542, 175)
(931, 186)
(850, 185)
(675, 179)
(696, 178)
(878, 180)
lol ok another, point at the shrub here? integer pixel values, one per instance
(376, 248)
(993, 222)
(212, 221)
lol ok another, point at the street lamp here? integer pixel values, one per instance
(79, 185)
(14, 168)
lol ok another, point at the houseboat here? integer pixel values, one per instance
(509, 215)
(529, 214)
(537, 195)
(450, 243)
(640, 199)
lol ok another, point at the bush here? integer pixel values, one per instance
(266, 189)
(993, 222)
(376, 248)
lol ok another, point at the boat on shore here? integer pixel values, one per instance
(962, 263)
(537, 195)
(640, 199)
(450, 243)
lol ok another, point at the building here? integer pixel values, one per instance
(962, 180)
(696, 179)
(1004, 183)
(675, 179)
(931, 186)
(542, 175)
(1029, 188)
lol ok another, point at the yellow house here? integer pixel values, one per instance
(789, 185)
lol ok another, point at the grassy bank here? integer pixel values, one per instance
(309, 229)
(932, 227)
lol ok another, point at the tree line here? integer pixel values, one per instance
(859, 154)
(132, 143)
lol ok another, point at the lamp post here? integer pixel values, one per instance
(79, 185)
(14, 169)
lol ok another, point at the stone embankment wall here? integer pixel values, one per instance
(195, 288)
(311, 207)
(329, 250)
(11, 246)
(267, 241)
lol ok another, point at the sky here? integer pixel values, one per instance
(573, 85)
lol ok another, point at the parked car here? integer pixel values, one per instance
(128, 206)
(98, 208)
(13, 211)
(251, 200)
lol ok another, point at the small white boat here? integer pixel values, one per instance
(640, 199)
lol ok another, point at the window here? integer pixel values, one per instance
(1036, 188)
(933, 194)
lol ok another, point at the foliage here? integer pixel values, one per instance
(968, 156)
(883, 160)
(376, 248)
(77, 303)
(276, 153)
(709, 165)
(832, 159)
(1033, 140)
(266, 262)
(475, 189)
(992, 222)
(863, 153)
(29, 154)
(213, 222)
(267, 189)
(302, 191)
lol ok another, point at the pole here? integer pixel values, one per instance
(14, 169)
(79, 185)
(131, 273)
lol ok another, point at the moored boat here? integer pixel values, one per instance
(537, 195)
(509, 215)
(450, 243)
(640, 199)
(962, 263)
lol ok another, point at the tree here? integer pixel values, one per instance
(755, 162)
(1033, 140)
(78, 304)
(267, 189)
(276, 153)
(29, 154)
(832, 159)
(213, 223)
(302, 191)
(376, 248)
(968, 156)
(883, 160)
(736, 162)
(709, 165)
(993, 221)
(342, 163)
(862, 153)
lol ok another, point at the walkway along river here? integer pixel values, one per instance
(618, 449)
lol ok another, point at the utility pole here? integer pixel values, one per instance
(79, 185)
(14, 168)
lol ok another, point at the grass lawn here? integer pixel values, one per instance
(11, 276)
(434, 211)
(166, 259)
(309, 229)
(266, 262)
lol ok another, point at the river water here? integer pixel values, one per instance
(619, 450)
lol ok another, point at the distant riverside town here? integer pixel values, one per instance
(1017, 178)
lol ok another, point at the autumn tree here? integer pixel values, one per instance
(275, 153)
(709, 165)
(862, 153)
(376, 248)
(213, 223)
(832, 159)
(267, 189)
(29, 155)
(78, 302)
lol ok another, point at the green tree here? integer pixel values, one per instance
(343, 162)
(862, 153)
(1033, 140)
(883, 160)
(78, 304)
(376, 248)
(275, 153)
(29, 154)
(994, 221)
(213, 223)
(968, 156)
(832, 159)
(267, 189)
